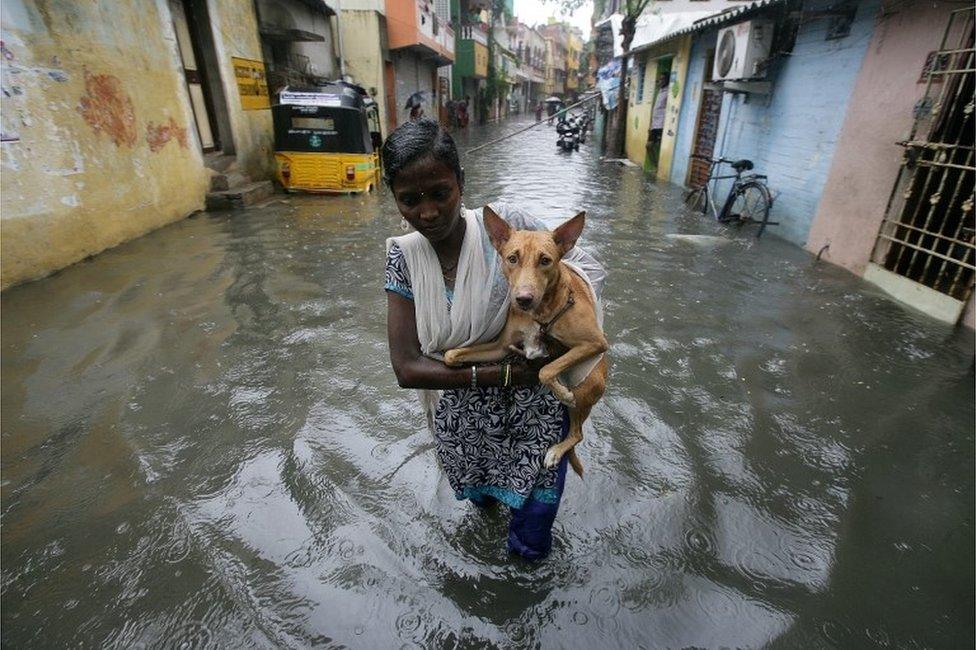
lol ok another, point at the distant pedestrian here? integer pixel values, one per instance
(451, 108)
(462, 111)
(538, 111)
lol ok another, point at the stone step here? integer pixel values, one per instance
(227, 180)
(219, 162)
(236, 198)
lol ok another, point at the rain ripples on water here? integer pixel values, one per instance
(204, 445)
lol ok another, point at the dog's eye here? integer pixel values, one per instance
(545, 261)
(513, 259)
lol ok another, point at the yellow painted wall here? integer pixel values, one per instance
(679, 74)
(235, 32)
(94, 89)
(639, 113)
(364, 57)
(98, 144)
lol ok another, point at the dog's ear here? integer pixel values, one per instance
(498, 229)
(567, 234)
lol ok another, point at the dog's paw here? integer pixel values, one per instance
(453, 357)
(552, 458)
(563, 394)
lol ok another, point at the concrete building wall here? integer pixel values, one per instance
(235, 32)
(413, 74)
(879, 114)
(362, 45)
(688, 116)
(791, 134)
(96, 112)
(99, 147)
(297, 15)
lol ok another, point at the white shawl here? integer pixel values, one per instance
(480, 306)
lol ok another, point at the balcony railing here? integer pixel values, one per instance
(445, 36)
(474, 32)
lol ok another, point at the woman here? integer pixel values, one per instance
(493, 423)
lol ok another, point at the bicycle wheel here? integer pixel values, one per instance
(697, 199)
(751, 205)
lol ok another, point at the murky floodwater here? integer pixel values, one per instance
(204, 445)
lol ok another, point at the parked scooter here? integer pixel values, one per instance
(583, 121)
(568, 135)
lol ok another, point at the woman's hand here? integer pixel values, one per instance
(525, 372)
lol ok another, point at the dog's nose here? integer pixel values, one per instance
(524, 301)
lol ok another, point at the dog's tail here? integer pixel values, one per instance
(574, 461)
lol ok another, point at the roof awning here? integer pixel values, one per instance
(655, 28)
(289, 35)
(654, 34)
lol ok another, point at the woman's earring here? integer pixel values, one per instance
(404, 226)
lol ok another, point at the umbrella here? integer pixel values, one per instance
(416, 99)
(553, 100)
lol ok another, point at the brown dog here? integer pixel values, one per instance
(550, 305)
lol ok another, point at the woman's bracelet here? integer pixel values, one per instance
(474, 377)
(506, 375)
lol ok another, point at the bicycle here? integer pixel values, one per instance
(749, 200)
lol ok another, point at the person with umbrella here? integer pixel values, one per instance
(415, 104)
(552, 105)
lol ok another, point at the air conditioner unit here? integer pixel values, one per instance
(742, 50)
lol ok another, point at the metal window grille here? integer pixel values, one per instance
(928, 231)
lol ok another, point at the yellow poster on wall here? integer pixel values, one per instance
(251, 83)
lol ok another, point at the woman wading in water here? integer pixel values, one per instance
(492, 424)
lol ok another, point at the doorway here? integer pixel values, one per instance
(706, 126)
(191, 24)
(661, 78)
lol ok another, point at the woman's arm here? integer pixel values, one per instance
(414, 370)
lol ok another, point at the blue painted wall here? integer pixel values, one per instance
(688, 117)
(791, 134)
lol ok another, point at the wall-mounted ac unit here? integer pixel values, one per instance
(742, 50)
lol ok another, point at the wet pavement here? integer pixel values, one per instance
(204, 446)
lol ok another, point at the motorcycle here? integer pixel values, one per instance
(568, 135)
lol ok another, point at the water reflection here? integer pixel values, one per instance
(204, 445)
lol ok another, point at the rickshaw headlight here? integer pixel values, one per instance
(350, 172)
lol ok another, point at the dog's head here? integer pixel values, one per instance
(530, 258)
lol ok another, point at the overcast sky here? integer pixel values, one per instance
(533, 12)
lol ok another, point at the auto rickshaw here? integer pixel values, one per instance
(327, 139)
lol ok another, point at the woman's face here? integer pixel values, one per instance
(429, 198)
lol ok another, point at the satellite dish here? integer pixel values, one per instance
(726, 52)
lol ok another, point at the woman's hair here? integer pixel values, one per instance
(412, 141)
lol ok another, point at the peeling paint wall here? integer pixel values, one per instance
(95, 148)
(98, 140)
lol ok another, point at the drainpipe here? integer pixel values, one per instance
(342, 59)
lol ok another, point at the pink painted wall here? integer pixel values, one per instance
(879, 114)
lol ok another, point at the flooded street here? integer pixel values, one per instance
(204, 444)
